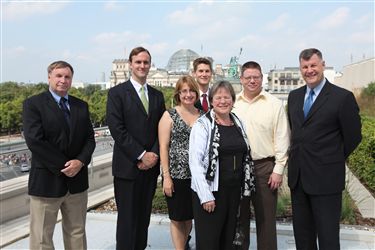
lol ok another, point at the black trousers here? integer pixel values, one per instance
(215, 231)
(134, 204)
(316, 216)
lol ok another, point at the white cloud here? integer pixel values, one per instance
(362, 37)
(279, 22)
(113, 6)
(188, 16)
(16, 51)
(156, 48)
(364, 19)
(66, 54)
(22, 10)
(254, 41)
(334, 20)
(182, 43)
(120, 39)
(208, 2)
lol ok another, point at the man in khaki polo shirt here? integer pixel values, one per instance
(268, 132)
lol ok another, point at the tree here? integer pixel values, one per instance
(369, 90)
(12, 95)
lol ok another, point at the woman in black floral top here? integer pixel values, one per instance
(174, 131)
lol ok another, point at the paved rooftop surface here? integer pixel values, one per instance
(101, 228)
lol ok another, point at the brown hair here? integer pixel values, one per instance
(250, 65)
(201, 60)
(136, 51)
(192, 84)
(59, 65)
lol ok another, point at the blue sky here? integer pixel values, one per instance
(90, 34)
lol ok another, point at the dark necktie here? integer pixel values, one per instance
(204, 103)
(65, 109)
(308, 103)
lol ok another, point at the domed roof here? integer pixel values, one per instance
(181, 60)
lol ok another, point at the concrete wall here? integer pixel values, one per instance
(358, 75)
(14, 200)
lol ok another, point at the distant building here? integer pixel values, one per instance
(162, 78)
(120, 71)
(103, 85)
(357, 75)
(181, 61)
(289, 78)
(179, 64)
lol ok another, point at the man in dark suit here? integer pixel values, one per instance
(202, 73)
(60, 136)
(325, 129)
(133, 112)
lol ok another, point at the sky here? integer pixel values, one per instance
(91, 34)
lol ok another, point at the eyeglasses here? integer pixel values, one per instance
(186, 91)
(255, 78)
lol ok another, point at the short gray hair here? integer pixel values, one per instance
(306, 54)
(221, 84)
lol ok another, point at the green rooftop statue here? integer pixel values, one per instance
(233, 71)
(233, 66)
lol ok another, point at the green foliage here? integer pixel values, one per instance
(347, 211)
(369, 90)
(159, 204)
(366, 100)
(283, 209)
(362, 160)
(97, 104)
(90, 89)
(168, 96)
(12, 94)
(283, 204)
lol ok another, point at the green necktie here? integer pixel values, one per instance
(144, 99)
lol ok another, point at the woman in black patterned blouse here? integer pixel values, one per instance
(174, 131)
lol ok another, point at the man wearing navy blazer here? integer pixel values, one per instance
(59, 134)
(134, 109)
(325, 128)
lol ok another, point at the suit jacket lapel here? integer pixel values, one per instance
(300, 101)
(152, 100)
(74, 113)
(320, 100)
(134, 95)
(55, 110)
(198, 104)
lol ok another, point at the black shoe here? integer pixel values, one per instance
(187, 246)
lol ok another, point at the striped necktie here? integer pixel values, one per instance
(65, 109)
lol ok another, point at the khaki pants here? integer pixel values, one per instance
(43, 218)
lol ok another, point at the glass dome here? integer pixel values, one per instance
(181, 60)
